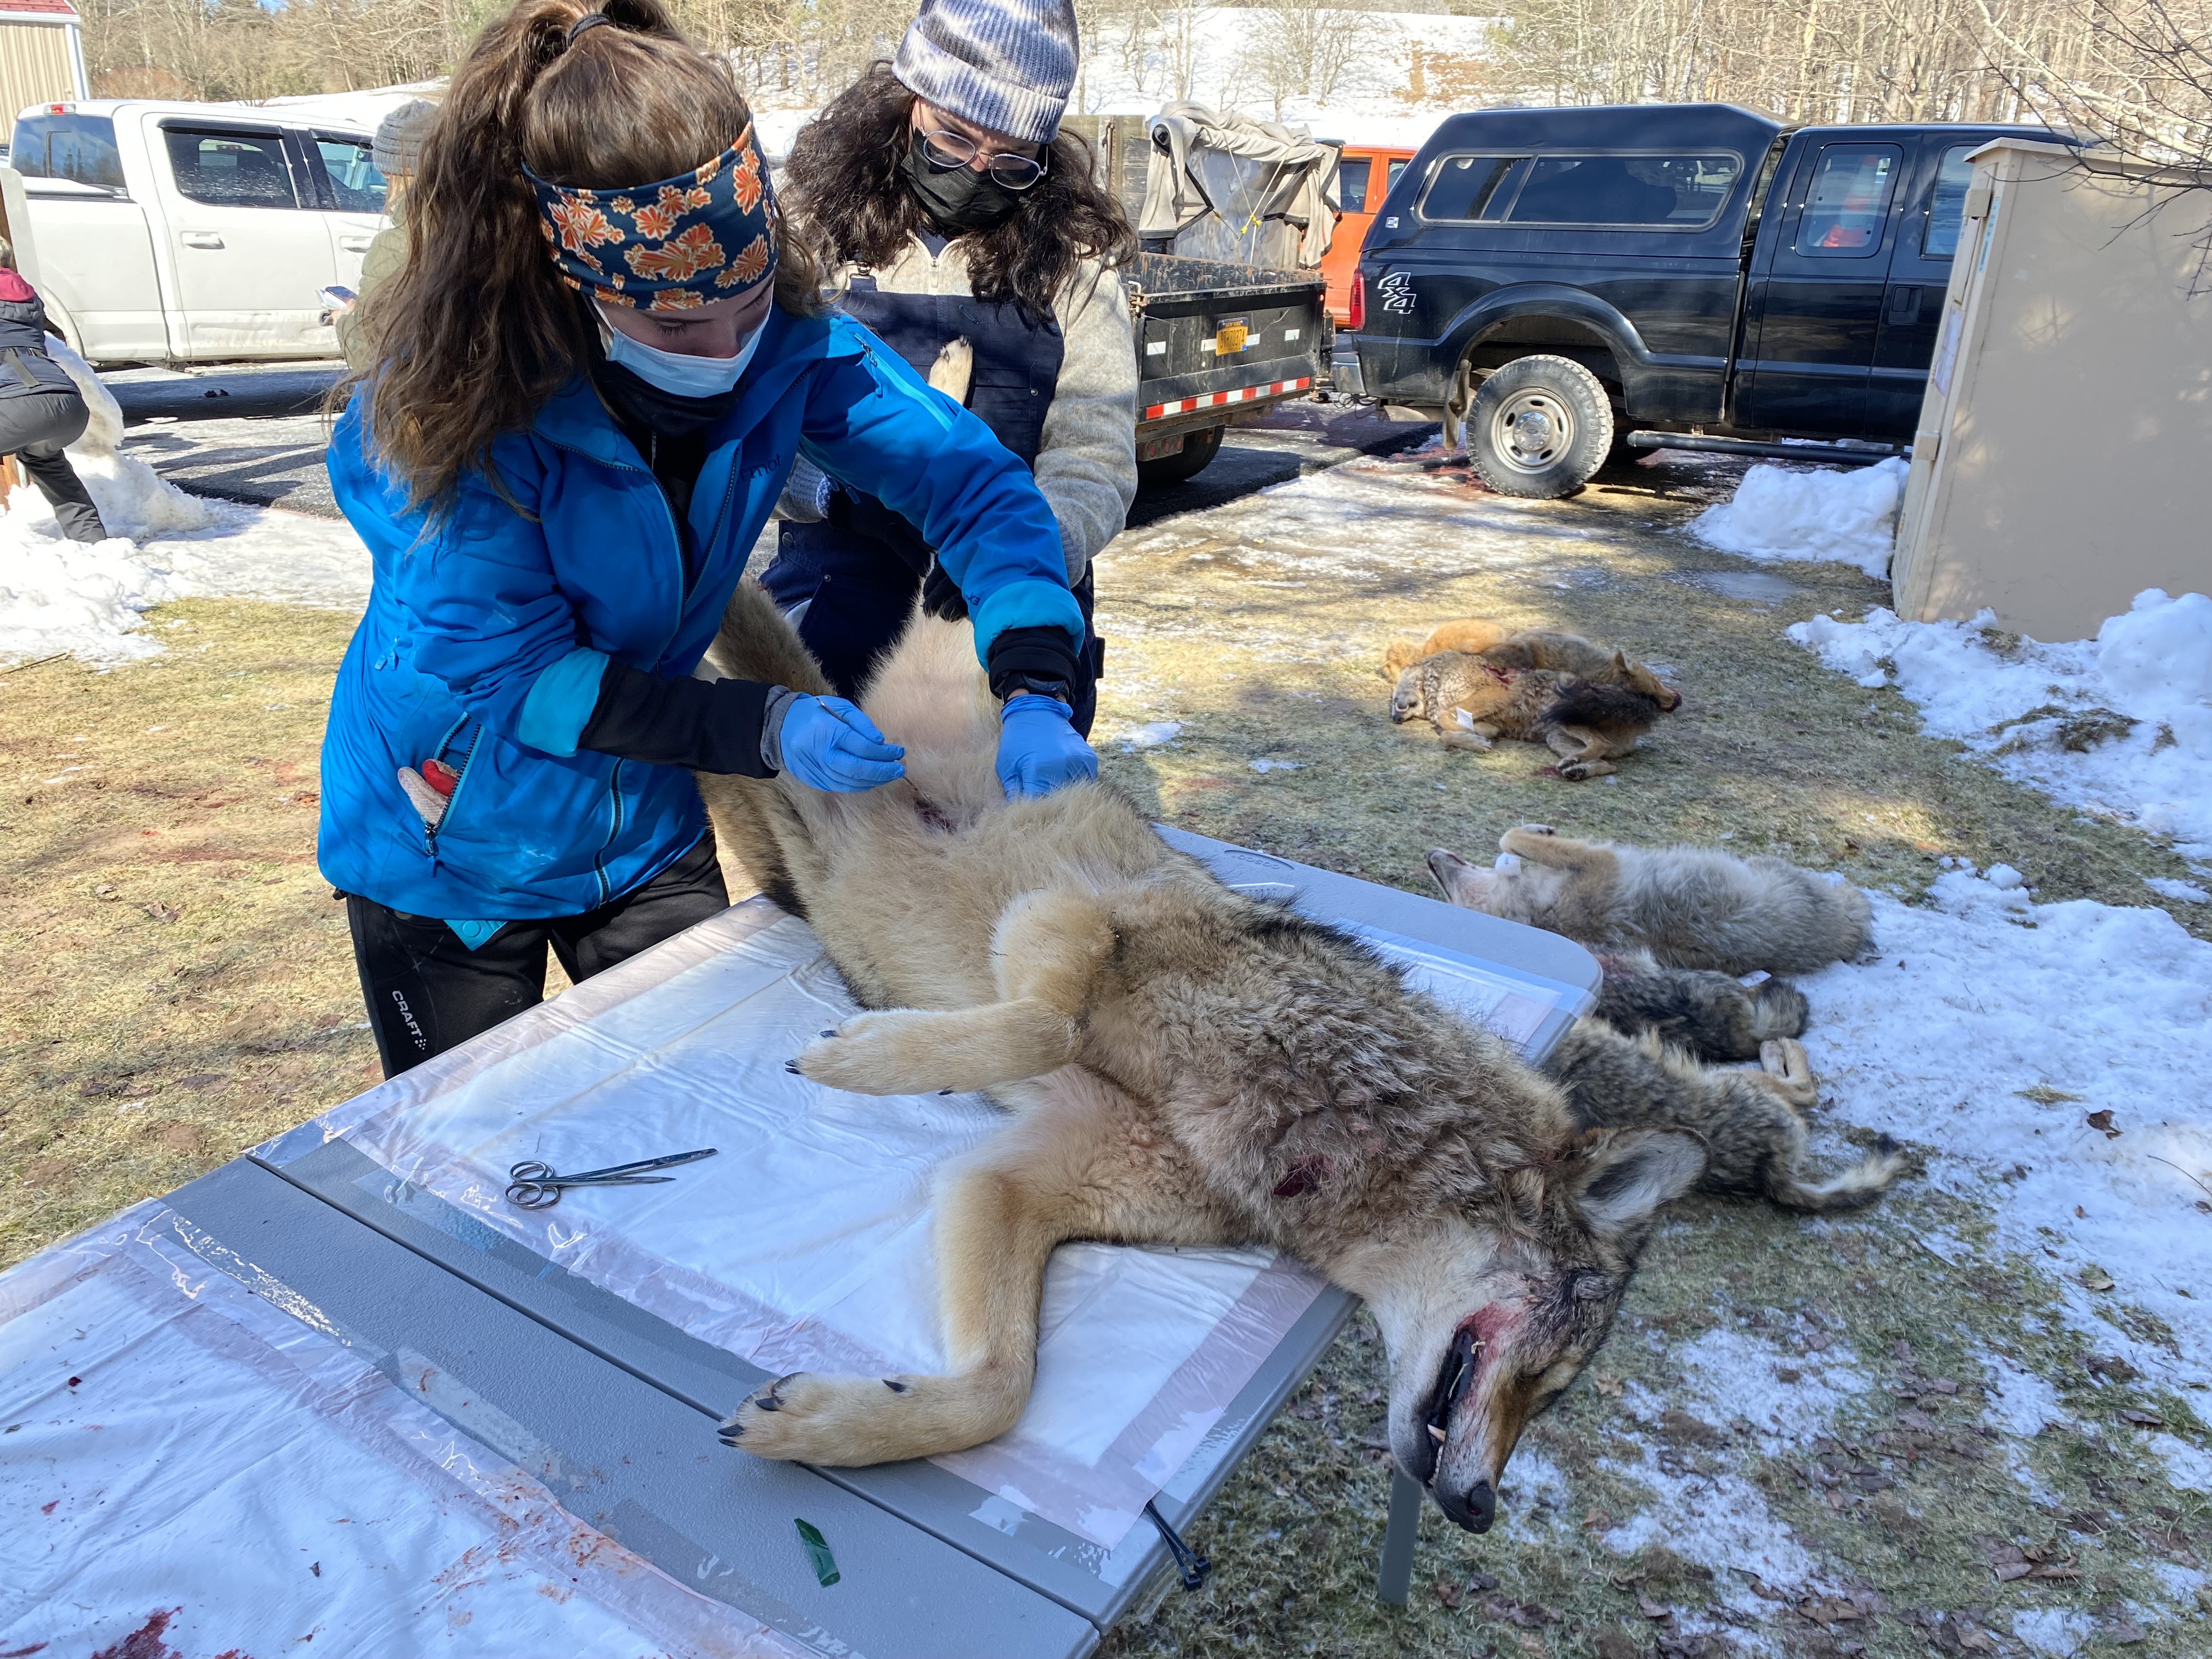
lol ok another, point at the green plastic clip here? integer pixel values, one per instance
(817, 1553)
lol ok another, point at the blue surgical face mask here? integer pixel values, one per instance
(674, 372)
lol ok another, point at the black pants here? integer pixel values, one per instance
(427, 992)
(35, 427)
(858, 600)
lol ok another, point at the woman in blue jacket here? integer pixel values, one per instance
(591, 379)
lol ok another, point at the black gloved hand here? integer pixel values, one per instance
(710, 725)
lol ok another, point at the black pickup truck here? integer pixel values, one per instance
(1571, 286)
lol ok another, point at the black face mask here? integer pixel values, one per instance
(959, 199)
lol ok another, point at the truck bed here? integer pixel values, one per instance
(1213, 336)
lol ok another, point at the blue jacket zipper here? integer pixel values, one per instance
(683, 593)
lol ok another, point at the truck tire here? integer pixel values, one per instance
(1541, 427)
(1186, 463)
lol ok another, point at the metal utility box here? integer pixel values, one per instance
(2059, 463)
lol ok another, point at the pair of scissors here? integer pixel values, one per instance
(534, 1186)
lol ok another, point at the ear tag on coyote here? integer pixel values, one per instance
(1465, 720)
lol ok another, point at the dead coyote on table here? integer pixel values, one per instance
(1181, 1064)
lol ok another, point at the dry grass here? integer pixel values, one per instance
(1768, 748)
(180, 984)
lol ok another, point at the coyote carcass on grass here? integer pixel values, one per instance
(1181, 1064)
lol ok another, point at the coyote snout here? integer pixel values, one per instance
(1488, 1323)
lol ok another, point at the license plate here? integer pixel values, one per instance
(1230, 339)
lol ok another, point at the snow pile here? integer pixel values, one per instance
(57, 595)
(1776, 514)
(2121, 726)
(1990, 1031)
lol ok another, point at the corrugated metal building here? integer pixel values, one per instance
(41, 57)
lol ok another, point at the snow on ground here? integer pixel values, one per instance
(1991, 1028)
(57, 595)
(2120, 726)
(1778, 513)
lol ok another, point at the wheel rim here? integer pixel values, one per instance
(1532, 430)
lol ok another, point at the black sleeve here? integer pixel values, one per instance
(1046, 653)
(708, 726)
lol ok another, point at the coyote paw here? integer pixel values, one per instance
(1788, 1071)
(806, 1419)
(1529, 838)
(863, 1056)
(843, 1422)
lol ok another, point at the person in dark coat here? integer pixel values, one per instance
(41, 410)
(971, 238)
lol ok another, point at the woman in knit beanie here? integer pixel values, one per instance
(974, 240)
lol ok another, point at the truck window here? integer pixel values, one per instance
(81, 148)
(1681, 192)
(1396, 167)
(231, 169)
(1849, 201)
(1352, 183)
(1947, 202)
(1461, 187)
(354, 178)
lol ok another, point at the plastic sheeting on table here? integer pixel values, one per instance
(188, 1464)
(806, 1244)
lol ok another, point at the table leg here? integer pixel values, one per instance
(1398, 1541)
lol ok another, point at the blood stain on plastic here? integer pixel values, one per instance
(145, 1642)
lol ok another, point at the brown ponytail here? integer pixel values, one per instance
(476, 330)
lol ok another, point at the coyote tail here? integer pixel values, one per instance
(1847, 1189)
(1601, 707)
(1778, 1010)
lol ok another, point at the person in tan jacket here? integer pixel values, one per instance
(399, 146)
(971, 238)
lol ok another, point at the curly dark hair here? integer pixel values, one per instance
(845, 178)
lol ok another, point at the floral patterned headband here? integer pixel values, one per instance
(667, 247)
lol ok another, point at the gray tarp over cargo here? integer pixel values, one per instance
(1229, 187)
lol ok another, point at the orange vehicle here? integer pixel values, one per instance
(1364, 177)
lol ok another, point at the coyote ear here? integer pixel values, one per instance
(1631, 1172)
(1620, 661)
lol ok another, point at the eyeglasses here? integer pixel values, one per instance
(949, 150)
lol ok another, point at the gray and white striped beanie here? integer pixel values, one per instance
(1005, 64)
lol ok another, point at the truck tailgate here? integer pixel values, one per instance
(1214, 338)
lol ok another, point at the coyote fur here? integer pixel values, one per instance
(1472, 701)
(1180, 1064)
(1749, 1122)
(1690, 907)
(1711, 1014)
(1530, 648)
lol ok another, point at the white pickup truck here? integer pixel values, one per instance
(163, 233)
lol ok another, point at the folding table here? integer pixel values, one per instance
(573, 1364)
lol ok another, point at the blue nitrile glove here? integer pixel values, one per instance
(828, 744)
(1038, 749)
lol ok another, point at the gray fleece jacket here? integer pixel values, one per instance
(1087, 463)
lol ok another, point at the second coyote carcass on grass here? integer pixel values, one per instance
(1181, 1064)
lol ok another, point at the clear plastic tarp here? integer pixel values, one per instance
(188, 1470)
(805, 1244)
